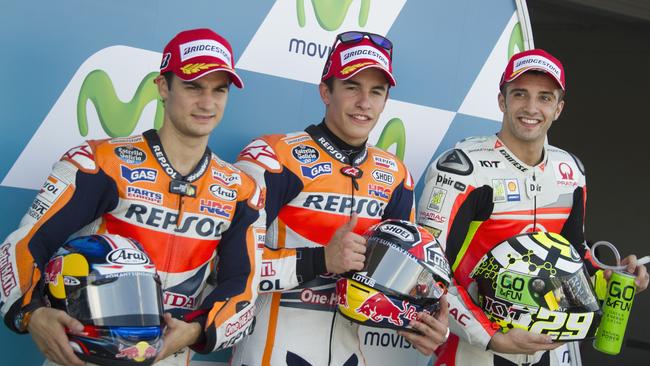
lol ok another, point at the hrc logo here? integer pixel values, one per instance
(379, 191)
(216, 208)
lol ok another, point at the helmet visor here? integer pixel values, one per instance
(393, 269)
(133, 299)
(564, 293)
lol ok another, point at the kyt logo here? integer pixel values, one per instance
(330, 14)
(117, 118)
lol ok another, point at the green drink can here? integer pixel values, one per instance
(616, 310)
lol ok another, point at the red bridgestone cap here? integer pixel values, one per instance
(349, 59)
(536, 59)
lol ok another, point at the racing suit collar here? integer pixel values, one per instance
(515, 161)
(153, 140)
(337, 148)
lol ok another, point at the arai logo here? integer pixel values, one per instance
(127, 256)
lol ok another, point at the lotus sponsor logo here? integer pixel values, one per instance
(385, 163)
(130, 154)
(223, 193)
(142, 194)
(216, 208)
(127, 256)
(226, 179)
(383, 177)
(379, 191)
(317, 170)
(138, 174)
(7, 276)
(398, 232)
(305, 154)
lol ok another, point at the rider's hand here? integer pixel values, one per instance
(345, 251)
(639, 270)
(521, 341)
(178, 335)
(432, 330)
(47, 327)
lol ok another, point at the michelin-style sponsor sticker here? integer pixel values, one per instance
(126, 140)
(138, 174)
(130, 154)
(397, 231)
(385, 163)
(295, 140)
(226, 179)
(383, 177)
(223, 193)
(52, 189)
(437, 199)
(205, 47)
(305, 154)
(142, 194)
(314, 171)
(363, 52)
(127, 256)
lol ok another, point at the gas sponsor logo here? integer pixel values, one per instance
(52, 189)
(7, 275)
(315, 171)
(385, 163)
(142, 194)
(383, 176)
(367, 207)
(397, 231)
(305, 154)
(512, 190)
(379, 191)
(127, 256)
(226, 179)
(215, 208)
(130, 154)
(138, 174)
(159, 218)
(223, 193)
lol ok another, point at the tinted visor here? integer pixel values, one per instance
(395, 270)
(132, 299)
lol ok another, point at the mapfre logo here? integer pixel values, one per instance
(300, 47)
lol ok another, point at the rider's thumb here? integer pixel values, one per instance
(350, 225)
(73, 324)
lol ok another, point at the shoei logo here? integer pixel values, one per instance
(398, 232)
(112, 94)
(127, 256)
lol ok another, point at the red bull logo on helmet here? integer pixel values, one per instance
(379, 308)
(139, 352)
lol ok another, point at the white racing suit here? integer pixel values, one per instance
(480, 194)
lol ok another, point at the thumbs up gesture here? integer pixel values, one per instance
(345, 251)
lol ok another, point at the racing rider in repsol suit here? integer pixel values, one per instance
(325, 186)
(489, 189)
(199, 219)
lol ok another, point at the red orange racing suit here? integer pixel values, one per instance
(204, 232)
(312, 189)
(480, 194)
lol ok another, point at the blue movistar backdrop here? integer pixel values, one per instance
(443, 51)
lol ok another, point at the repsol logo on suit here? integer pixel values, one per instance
(343, 204)
(162, 219)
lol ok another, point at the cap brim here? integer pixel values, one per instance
(523, 71)
(389, 76)
(234, 78)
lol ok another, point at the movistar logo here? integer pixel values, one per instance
(516, 40)
(393, 133)
(330, 14)
(117, 118)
